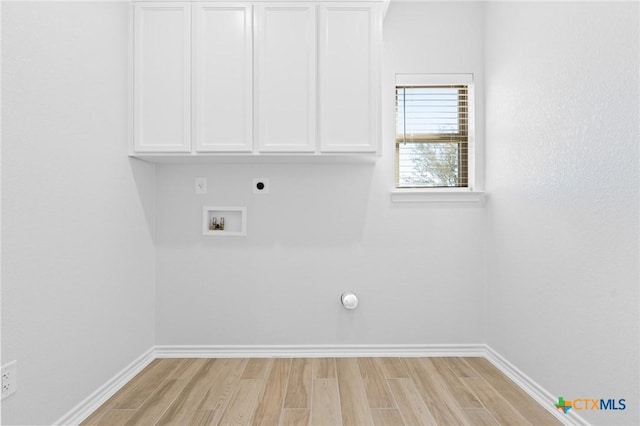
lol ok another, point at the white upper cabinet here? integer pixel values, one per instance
(162, 83)
(286, 77)
(349, 64)
(222, 77)
(225, 79)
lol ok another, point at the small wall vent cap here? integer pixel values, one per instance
(349, 300)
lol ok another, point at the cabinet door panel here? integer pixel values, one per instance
(162, 85)
(286, 77)
(349, 78)
(223, 77)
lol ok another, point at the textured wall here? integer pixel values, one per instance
(324, 229)
(77, 255)
(562, 170)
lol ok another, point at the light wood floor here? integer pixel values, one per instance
(321, 391)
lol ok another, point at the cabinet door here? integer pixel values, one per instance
(286, 83)
(162, 67)
(222, 90)
(350, 51)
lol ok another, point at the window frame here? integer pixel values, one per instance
(455, 194)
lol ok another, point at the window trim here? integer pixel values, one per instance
(438, 195)
(442, 194)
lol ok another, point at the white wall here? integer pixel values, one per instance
(78, 257)
(324, 229)
(562, 170)
(78, 264)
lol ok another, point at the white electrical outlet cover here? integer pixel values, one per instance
(260, 186)
(201, 185)
(9, 379)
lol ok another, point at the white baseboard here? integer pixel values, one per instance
(106, 391)
(316, 351)
(533, 389)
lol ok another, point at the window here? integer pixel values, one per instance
(433, 128)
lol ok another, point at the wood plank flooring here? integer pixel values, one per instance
(321, 391)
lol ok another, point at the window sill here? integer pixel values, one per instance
(442, 196)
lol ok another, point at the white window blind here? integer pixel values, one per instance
(432, 135)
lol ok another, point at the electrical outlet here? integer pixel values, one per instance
(9, 379)
(261, 186)
(201, 185)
